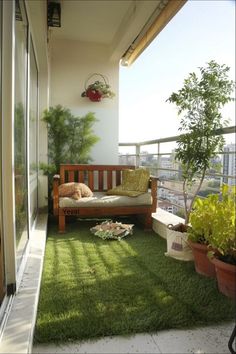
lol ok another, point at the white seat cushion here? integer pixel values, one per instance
(104, 200)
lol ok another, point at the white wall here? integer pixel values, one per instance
(71, 64)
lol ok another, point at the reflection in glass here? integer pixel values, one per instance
(20, 163)
(33, 134)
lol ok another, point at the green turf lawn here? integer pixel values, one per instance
(93, 288)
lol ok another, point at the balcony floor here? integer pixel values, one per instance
(18, 333)
(201, 340)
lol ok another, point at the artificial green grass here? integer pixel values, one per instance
(92, 288)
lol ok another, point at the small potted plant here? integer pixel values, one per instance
(199, 233)
(223, 241)
(199, 104)
(98, 89)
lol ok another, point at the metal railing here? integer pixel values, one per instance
(161, 163)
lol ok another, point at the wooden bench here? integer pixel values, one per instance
(100, 178)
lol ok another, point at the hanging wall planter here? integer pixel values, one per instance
(98, 89)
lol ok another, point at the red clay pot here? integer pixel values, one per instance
(226, 277)
(203, 265)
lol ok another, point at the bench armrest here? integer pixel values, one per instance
(56, 182)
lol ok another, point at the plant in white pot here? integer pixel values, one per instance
(199, 103)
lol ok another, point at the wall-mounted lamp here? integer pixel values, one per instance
(18, 14)
(54, 14)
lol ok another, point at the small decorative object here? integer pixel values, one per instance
(112, 230)
(177, 243)
(97, 90)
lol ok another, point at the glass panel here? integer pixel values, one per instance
(20, 128)
(33, 136)
(2, 268)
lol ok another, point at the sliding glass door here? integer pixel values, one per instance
(33, 136)
(20, 130)
(2, 265)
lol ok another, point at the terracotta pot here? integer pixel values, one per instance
(226, 277)
(203, 265)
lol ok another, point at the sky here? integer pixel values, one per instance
(200, 32)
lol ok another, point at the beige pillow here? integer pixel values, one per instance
(74, 190)
(134, 183)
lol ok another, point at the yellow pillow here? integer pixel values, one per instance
(134, 183)
(136, 180)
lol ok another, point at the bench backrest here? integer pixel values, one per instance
(97, 177)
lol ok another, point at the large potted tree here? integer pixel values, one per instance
(199, 103)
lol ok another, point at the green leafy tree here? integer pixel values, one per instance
(199, 103)
(70, 138)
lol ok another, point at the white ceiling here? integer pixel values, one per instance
(91, 21)
(115, 23)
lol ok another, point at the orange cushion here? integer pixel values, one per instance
(74, 190)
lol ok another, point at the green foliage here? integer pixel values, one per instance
(103, 88)
(70, 138)
(19, 137)
(48, 170)
(213, 222)
(223, 224)
(199, 103)
(201, 219)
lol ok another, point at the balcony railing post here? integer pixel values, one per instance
(137, 155)
(158, 159)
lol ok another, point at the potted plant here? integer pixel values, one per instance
(199, 233)
(98, 89)
(70, 139)
(223, 241)
(199, 104)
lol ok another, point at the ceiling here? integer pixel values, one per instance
(115, 23)
(91, 21)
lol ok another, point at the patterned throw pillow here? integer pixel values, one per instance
(74, 190)
(136, 180)
(134, 183)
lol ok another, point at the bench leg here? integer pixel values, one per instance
(148, 222)
(62, 223)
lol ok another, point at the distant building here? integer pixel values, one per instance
(127, 159)
(229, 164)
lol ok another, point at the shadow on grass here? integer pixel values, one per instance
(92, 288)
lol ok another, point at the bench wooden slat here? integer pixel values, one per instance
(71, 176)
(81, 176)
(118, 178)
(100, 180)
(109, 179)
(91, 180)
(62, 174)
